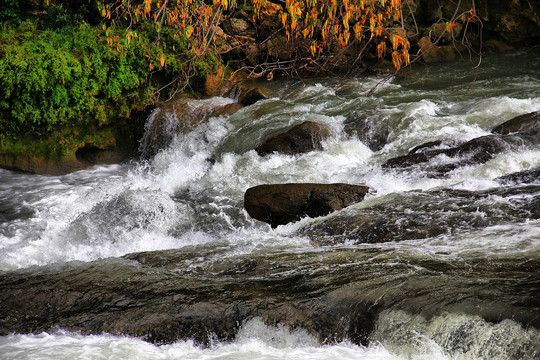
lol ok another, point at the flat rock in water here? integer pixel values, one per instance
(335, 295)
(526, 123)
(280, 204)
(523, 130)
(422, 215)
(302, 138)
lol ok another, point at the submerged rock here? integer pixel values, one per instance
(280, 204)
(371, 133)
(302, 138)
(520, 131)
(422, 215)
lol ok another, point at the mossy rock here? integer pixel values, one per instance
(435, 54)
(69, 150)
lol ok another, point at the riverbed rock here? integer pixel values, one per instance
(220, 82)
(523, 130)
(372, 133)
(515, 21)
(335, 296)
(238, 26)
(497, 46)
(522, 177)
(179, 116)
(478, 150)
(71, 150)
(279, 48)
(142, 297)
(440, 31)
(250, 95)
(279, 204)
(432, 53)
(302, 138)
(525, 124)
(422, 215)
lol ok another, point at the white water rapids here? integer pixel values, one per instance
(191, 193)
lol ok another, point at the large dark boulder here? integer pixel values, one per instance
(280, 204)
(302, 138)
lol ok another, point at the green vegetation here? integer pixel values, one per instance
(51, 78)
(58, 71)
(11, 11)
(88, 64)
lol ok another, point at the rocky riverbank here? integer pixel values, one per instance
(245, 42)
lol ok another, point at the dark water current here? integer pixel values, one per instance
(158, 260)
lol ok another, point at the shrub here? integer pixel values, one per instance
(52, 78)
(11, 10)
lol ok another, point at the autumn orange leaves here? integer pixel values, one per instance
(331, 22)
(323, 24)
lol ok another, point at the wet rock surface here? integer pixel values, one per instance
(522, 177)
(524, 124)
(280, 204)
(520, 131)
(179, 116)
(432, 53)
(371, 133)
(422, 215)
(301, 138)
(250, 96)
(164, 296)
(87, 147)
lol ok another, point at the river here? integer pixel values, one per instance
(471, 291)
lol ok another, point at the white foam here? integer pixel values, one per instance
(191, 192)
(254, 341)
(459, 336)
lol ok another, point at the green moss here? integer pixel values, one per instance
(59, 144)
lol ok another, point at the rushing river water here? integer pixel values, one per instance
(476, 285)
